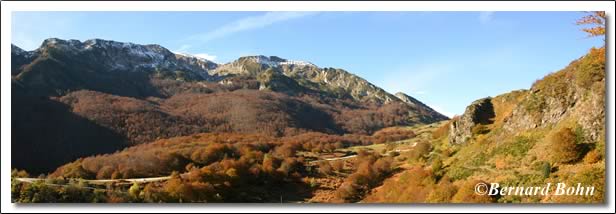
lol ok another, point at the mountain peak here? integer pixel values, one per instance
(54, 41)
(90, 44)
(113, 56)
(336, 82)
(272, 61)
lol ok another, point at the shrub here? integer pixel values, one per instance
(592, 157)
(345, 193)
(419, 151)
(338, 165)
(437, 167)
(441, 131)
(177, 190)
(587, 176)
(534, 104)
(591, 68)
(546, 169)
(443, 192)
(466, 193)
(564, 147)
(42, 192)
(392, 134)
(459, 172)
(394, 153)
(389, 147)
(516, 148)
(76, 170)
(134, 190)
(105, 172)
(501, 162)
(19, 173)
(325, 168)
(412, 186)
(371, 169)
(480, 129)
(383, 165)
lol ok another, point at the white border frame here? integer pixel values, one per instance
(9, 7)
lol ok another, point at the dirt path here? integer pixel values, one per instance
(352, 156)
(103, 181)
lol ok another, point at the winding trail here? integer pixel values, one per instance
(102, 181)
(352, 156)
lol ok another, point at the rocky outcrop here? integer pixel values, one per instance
(272, 80)
(576, 93)
(480, 112)
(574, 96)
(336, 82)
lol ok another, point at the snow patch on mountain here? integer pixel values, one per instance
(120, 56)
(274, 61)
(202, 56)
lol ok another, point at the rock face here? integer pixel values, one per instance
(337, 82)
(577, 92)
(480, 112)
(293, 77)
(274, 81)
(121, 56)
(573, 96)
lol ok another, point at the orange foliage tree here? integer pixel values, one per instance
(595, 18)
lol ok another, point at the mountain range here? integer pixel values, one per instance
(99, 96)
(260, 129)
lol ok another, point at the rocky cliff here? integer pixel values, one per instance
(336, 82)
(575, 94)
(480, 112)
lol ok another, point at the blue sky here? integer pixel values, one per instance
(445, 59)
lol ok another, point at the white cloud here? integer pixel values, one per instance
(249, 23)
(486, 16)
(206, 56)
